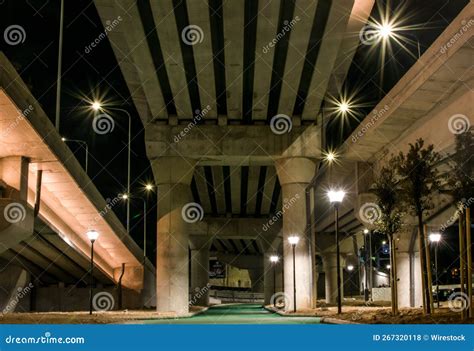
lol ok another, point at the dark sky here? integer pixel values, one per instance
(97, 73)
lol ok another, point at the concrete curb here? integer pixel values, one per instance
(324, 320)
(331, 320)
(188, 315)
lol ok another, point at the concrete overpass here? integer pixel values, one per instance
(430, 101)
(48, 203)
(211, 83)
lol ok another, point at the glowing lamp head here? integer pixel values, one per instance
(92, 235)
(366, 231)
(274, 259)
(435, 237)
(293, 240)
(387, 266)
(124, 196)
(336, 196)
(149, 187)
(331, 156)
(350, 268)
(63, 139)
(385, 30)
(96, 106)
(343, 107)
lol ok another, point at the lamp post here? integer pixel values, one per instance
(336, 197)
(83, 144)
(92, 235)
(274, 260)
(293, 240)
(435, 238)
(97, 106)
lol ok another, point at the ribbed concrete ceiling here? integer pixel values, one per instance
(243, 60)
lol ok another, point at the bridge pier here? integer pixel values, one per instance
(199, 271)
(173, 178)
(295, 174)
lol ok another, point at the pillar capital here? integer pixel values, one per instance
(173, 170)
(292, 170)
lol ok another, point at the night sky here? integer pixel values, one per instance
(89, 75)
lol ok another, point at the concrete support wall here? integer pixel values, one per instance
(15, 289)
(294, 175)
(173, 176)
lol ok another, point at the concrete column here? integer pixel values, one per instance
(256, 277)
(173, 176)
(330, 270)
(268, 281)
(409, 280)
(199, 271)
(294, 175)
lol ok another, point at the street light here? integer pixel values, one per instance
(336, 197)
(83, 144)
(293, 240)
(436, 238)
(97, 106)
(274, 260)
(92, 235)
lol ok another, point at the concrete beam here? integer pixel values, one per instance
(233, 13)
(198, 13)
(165, 22)
(333, 34)
(231, 145)
(267, 25)
(303, 17)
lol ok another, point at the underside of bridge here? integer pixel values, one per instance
(230, 94)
